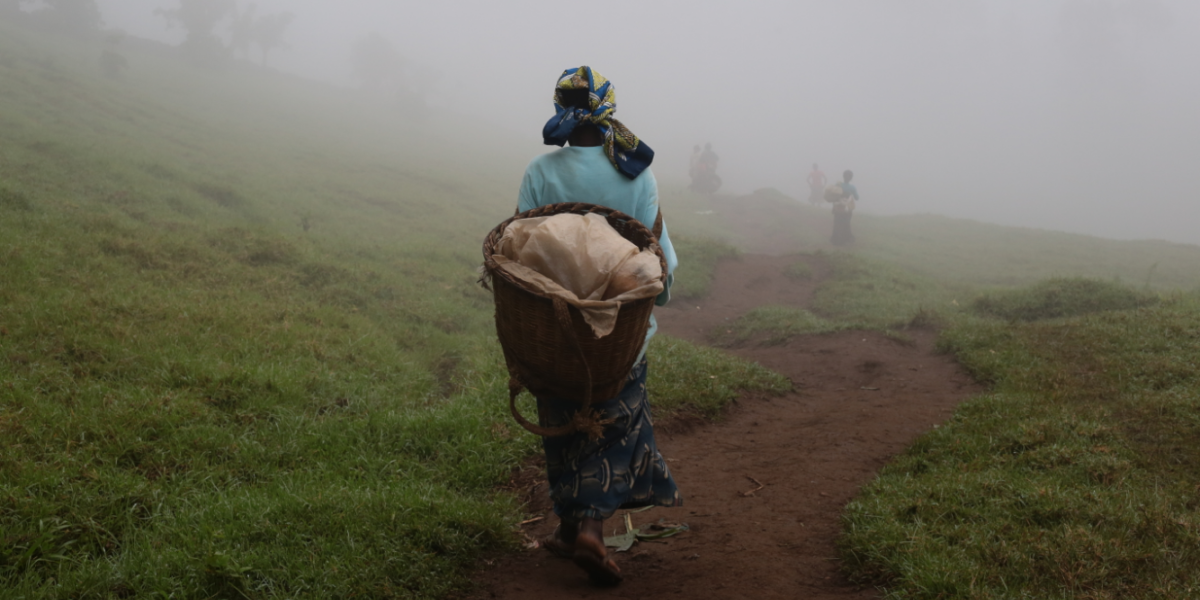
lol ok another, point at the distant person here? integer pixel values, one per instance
(705, 179)
(843, 210)
(816, 185)
(708, 158)
(694, 162)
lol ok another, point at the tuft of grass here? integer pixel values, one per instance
(689, 379)
(698, 258)
(1060, 297)
(874, 294)
(860, 293)
(799, 270)
(773, 325)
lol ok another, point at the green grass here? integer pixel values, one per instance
(773, 325)
(685, 378)
(799, 271)
(1074, 478)
(874, 294)
(697, 259)
(1060, 297)
(108, 486)
(860, 293)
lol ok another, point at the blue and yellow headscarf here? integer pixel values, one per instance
(625, 151)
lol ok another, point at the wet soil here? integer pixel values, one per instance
(764, 487)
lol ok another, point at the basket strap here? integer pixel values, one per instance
(563, 312)
(657, 229)
(514, 389)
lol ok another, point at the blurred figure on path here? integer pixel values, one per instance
(843, 209)
(708, 158)
(694, 162)
(590, 479)
(816, 185)
(705, 180)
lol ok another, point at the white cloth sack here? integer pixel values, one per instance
(584, 261)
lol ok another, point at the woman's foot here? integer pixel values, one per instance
(592, 557)
(561, 543)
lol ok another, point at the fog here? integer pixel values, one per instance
(1074, 115)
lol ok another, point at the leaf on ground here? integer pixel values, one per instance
(624, 541)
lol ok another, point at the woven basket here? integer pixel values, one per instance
(548, 347)
(835, 193)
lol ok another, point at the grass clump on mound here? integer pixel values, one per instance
(775, 324)
(698, 258)
(874, 294)
(1061, 297)
(799, 271)
(684, 377)
(859, 293)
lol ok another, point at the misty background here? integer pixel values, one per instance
(1072, 115)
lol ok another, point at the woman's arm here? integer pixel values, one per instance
(527, 197)
(647, 213)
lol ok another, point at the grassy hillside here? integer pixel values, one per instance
(242, 350)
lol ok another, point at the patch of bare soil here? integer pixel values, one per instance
(763, 489)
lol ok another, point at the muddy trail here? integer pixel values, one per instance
(763, 488)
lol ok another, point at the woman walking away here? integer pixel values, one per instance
(590, 480)
(843, 210)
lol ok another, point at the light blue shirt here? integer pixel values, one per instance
(850, 190)
(583, 174)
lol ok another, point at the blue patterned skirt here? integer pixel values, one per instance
(622, 469)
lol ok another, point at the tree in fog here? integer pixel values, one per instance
(269, 30)
(199, 18)
(376, 62)
(79, 17)
(266, 31)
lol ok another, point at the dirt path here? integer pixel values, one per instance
(860, 398)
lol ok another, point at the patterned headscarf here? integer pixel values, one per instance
(625, 151)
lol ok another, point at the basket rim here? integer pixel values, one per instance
(580, 208)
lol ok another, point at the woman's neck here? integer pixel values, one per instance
(586, 136)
